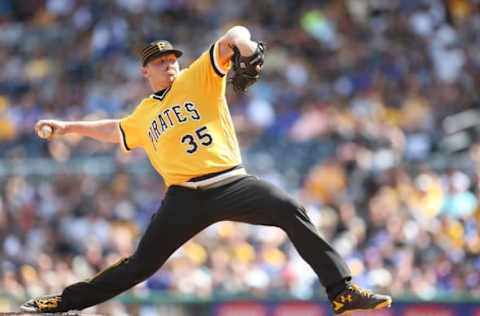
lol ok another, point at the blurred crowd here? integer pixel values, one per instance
(366, 112)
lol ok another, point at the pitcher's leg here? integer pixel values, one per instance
(180, 218)
(254, 201)
(257, 202)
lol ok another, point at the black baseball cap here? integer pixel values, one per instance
(157, 49)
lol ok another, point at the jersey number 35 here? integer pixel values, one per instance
(201, 136)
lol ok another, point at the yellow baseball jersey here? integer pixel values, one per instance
(186, 130)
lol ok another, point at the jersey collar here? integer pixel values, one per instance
(160, 95)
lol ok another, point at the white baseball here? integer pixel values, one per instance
(45, 131)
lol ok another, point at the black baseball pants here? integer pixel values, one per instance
(185, 212)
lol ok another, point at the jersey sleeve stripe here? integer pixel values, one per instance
(213, 60)
(124, 140)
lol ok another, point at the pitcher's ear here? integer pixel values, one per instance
(144, 71)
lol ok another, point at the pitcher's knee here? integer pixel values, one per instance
(289, 212)
(288, 209)
(142, 269)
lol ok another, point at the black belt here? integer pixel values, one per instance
(214, 174)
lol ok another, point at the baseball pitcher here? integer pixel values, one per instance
(186, 130)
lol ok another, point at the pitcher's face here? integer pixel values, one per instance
(161, 71)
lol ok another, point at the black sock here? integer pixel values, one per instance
(334, 289)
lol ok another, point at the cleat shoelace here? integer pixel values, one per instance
(46, 303)
(361, 291)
